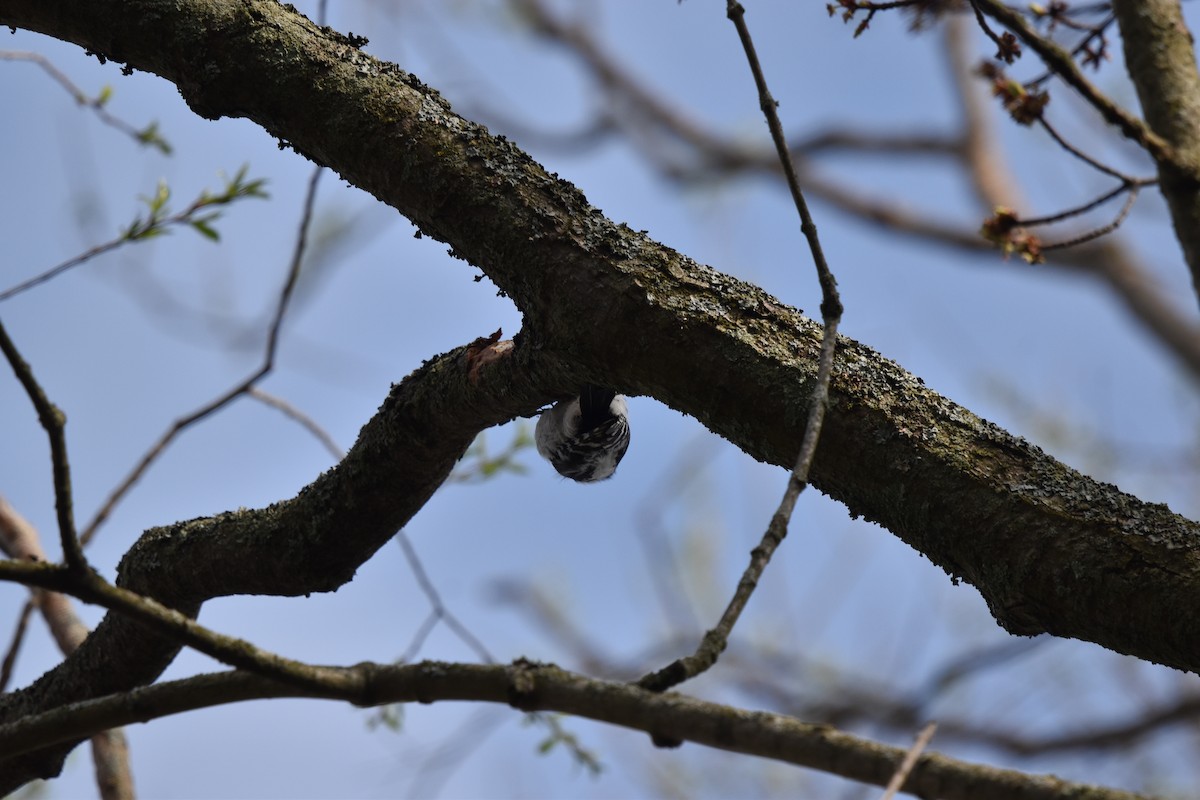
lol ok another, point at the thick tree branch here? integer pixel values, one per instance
(313, 542)
(1049, 549)
(541, 687)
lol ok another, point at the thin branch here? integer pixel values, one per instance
(1010, 232)
(831, 304)
(714, 153)
(438, 611)
(1103, 230)
(14, 645)
(1004, 47)
(54, 422)
(659, 554)
(156, 223)
(1065, 67)
(586, 655)
(1131, 188)
(1003, 472)
(716, 639)
(157, 449)
(350, 511)
(982, 151)
(146, 136)
(305, 421)
(89, 587)
(1091, 162)
(1107, 261)
(849, 700)
(975, 662)
(230, 395)
(293, 274)
(1095, 31)
(534, 687)
(438, 764)
(70, 263)
(910, 760)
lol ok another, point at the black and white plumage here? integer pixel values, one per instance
(585, 437)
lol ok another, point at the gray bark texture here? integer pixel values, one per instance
(1048, 548)
(1161, 60)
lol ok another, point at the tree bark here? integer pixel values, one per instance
(1048, 548)
(530, 687)
(1161, 62)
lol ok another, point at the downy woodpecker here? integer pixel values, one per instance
(585, 437)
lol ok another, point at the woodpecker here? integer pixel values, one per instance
(585, 437)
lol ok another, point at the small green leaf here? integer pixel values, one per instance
(106, 93)
(202, 227)
(254, 189)
(147, 232)
(151, 137)
(390, 716)
(158, 203)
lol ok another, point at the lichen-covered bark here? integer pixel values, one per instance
(310, 543)
(531, 687)
(1161, 61)
(1048, 548)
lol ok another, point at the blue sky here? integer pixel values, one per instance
(133, 340)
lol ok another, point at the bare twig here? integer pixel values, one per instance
(848, 700)
(146, 136)
(910, 761)
(54, 422)
(586, 654)
(982, 151)
(716, 639)
(1131, 188)
(1103, 230)
(542, 687)
(438, 764)
(90, 587)
(438, 611)
(1108, 261)
(58, 269)
(199, 215)
(460, 746)
(1091, 162)
(646, 113)
(1005, 50)
(666, 574)
(293, 413)
(14, 645)
(1061, 62)
(232, 394)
